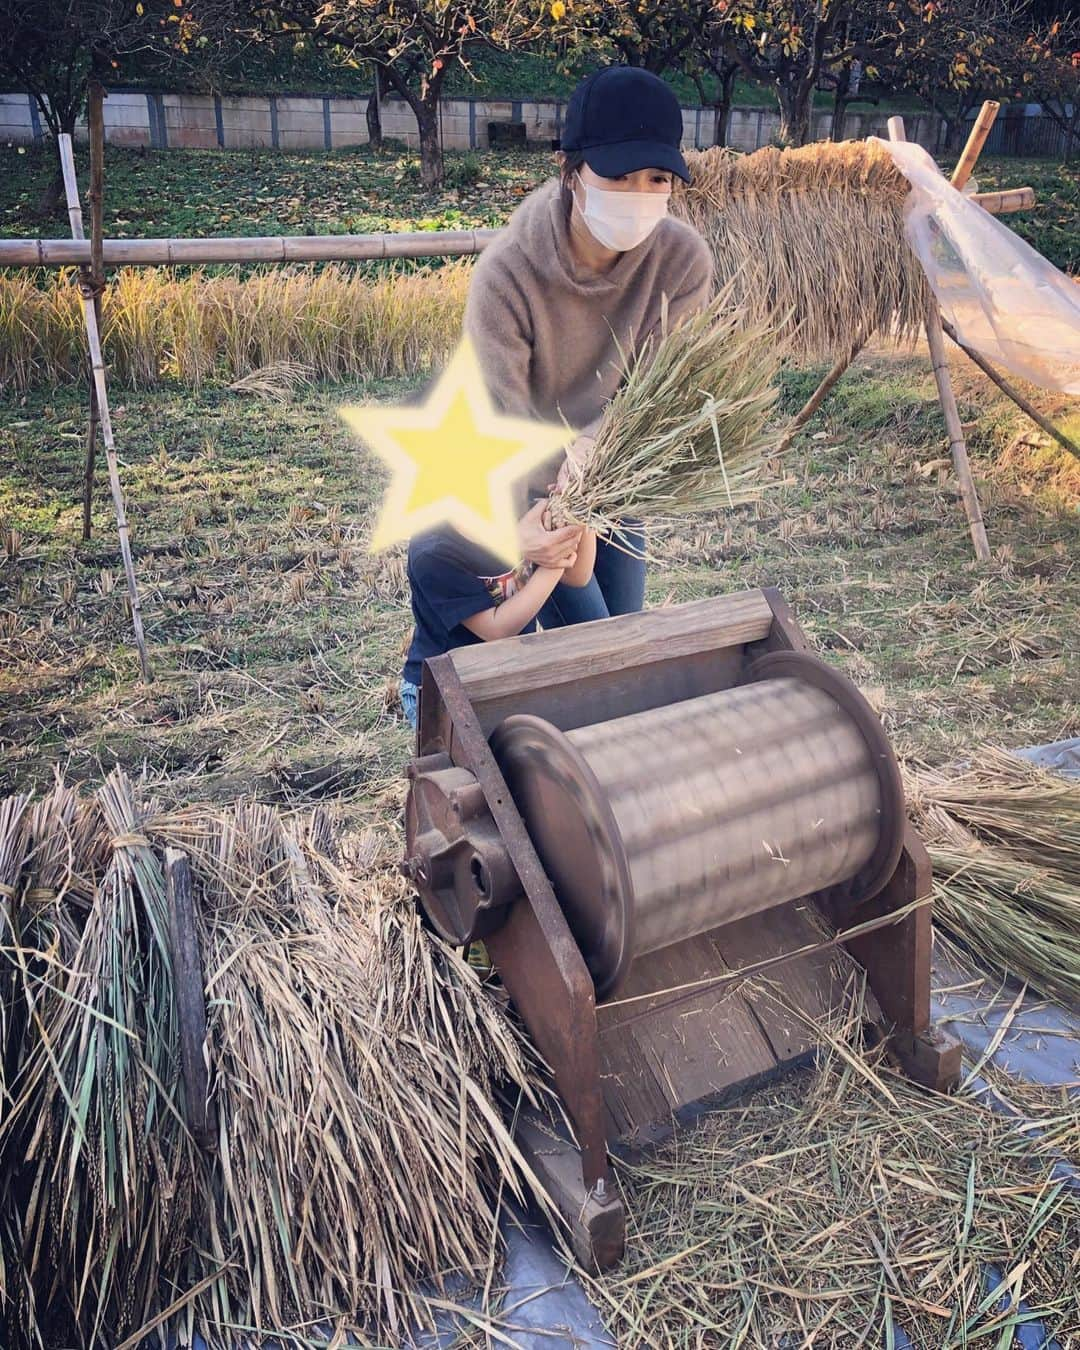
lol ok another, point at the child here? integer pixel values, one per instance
(461, 593)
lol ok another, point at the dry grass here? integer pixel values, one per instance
(1004, 839)
(810, 239)
(354, 1066)
(689, 428)
(159, 325)
(842, 1204)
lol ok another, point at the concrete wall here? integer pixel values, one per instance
(298, 122)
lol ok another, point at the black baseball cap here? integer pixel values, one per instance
(623, 118)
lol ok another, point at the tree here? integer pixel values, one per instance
(786, 44)
(952, 53)
(374, 106)
(1048, 70)
(414, 43)
(725, 68)
(53, 48)
(657, 35)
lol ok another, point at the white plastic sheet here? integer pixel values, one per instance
(1003, 298)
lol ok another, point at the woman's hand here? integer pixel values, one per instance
(577, 456)
(544, 547)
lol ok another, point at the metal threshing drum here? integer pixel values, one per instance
(664, 824)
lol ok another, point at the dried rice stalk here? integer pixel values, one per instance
(276, 382)
(811, 239)
(353, 1062)
(1004, 840)
(687, 431)
(109, 1164)
(838, 1205)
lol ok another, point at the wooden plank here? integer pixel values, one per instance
(569, 655)
(593, 1215)
(810, 983)
(659, 1054)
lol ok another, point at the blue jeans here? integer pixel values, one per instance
(410, 697)
(617, 585)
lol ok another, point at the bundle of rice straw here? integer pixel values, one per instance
(811, 239)
(1004, 840)
(353, 1063)
(689, 429)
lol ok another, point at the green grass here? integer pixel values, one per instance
(153, 193)
(277, 639)
(1053, 228)
(244, 192)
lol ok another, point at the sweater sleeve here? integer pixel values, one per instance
(694, 290)
(497, 320)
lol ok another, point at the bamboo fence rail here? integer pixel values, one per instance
(257, 248)
(314, 248)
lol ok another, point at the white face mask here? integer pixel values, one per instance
(621, 220)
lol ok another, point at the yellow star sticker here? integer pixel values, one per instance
(454, 459)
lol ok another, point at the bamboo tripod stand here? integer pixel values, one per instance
(935, 329)
(935, 339)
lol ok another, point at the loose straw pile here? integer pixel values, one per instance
(844, 1204)
(811, 239)
(1004, 840)
(689, 429)
(353, 1065)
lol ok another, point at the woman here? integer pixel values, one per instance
(575, 285)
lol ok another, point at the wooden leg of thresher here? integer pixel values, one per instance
(897, 963)
(544, 973)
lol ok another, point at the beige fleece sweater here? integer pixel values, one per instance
(545, 331)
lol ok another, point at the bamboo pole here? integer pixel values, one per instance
(817, 398)
(269, 248)
(975, 142)
(93, 337)
(318, 248)
(1006, 202)
(95, 276)
(1006, 388)
(91, 456)
(939, 361)
(1019, 199)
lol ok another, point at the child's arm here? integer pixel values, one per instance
(519, 609)
(581, 570)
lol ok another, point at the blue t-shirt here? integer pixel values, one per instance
(450, 580)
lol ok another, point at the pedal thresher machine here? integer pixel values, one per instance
(658, 824)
